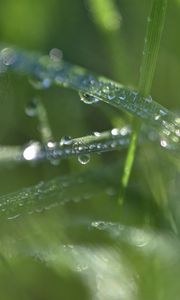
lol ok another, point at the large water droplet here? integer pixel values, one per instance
(31, 108)
(8, 56)
(87, 98)
(32, 151)
(84, 159)
(115, 131)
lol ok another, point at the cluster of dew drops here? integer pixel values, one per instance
(8, 57)
(31, 152)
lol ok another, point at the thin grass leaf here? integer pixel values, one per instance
(151, 49)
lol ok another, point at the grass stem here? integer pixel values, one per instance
(150, 54)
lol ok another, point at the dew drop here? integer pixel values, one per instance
(31, 151)
(84, 159)
(101, 225)
(97, 134)
(31, 108)
(106, 89)
(177, 120)
(124, 131)
(87, 98)
(164, 143)
(148, 99)
(66, 141)
(122, 97)
(156, 117)
(114, 131)
(8, 56)
(162, 112)
(177, 132)
(111, 97)
(56, 54)
(92, 146)
(113, 145)
(51, 145)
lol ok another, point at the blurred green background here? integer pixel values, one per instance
(34, 264)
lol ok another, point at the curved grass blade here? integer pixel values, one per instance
(99, 88)
(55, 192)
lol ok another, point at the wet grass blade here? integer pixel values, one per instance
(96, 88)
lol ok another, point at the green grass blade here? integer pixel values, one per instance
(98, 88)
(151, 49)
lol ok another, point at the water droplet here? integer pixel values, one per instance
(111, 97)
(115, 131)
(164, 143)
(124, 131)
(113, 145)
(101, 225)
(106, 89)
(32, 151)
(56, 54)
(99, 146)
(8, 56)
(84, 159)
(88, 99)
(177, 132)
(31, 108)
(148, 99)
(66, 140)
(177, 121)
(139, 238)
(156, 117)
(51, 145)
(92, 146)
(96, 133)
(162, 112)
(122, 96)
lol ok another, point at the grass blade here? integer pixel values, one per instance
(151, 48)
